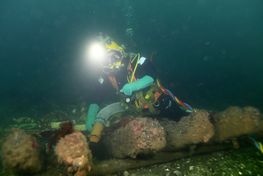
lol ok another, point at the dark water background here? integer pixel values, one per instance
(209, 52)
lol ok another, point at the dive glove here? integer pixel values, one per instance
(139, 84)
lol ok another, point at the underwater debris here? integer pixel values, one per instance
(140, 135)
(235, 121)
(21, 153)
(53, 136)
(73, 152)
(192, 129)
(25, 123)
(57, 115)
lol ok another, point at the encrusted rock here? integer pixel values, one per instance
(192, 129)
(235, 121)
(73, 152)
(21, 153)
(137, 136)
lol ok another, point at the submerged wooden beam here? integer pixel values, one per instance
(119, 165)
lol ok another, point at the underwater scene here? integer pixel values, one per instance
(131, 88)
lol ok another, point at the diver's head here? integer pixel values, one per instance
(107, 53)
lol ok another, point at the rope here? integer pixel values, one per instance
(182, 104)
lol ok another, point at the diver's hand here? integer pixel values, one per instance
(127, 89)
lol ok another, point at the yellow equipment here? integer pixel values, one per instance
(114, 46)
(77, 127)
(117, 51)
(96, 132)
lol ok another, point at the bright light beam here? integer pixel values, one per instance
(96, 53)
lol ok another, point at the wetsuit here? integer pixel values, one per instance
(165, 105)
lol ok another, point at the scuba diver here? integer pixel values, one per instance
(136, 83)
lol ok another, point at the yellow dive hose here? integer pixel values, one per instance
(135, 68)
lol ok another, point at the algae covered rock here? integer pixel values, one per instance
(73, 152)
(137, 136)
(235, 121)
(192, 129)
(21, 153)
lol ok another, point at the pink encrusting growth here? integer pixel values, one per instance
(140, 135)
(73, 152)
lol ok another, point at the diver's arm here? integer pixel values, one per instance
(145, 71)
(113, 82)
